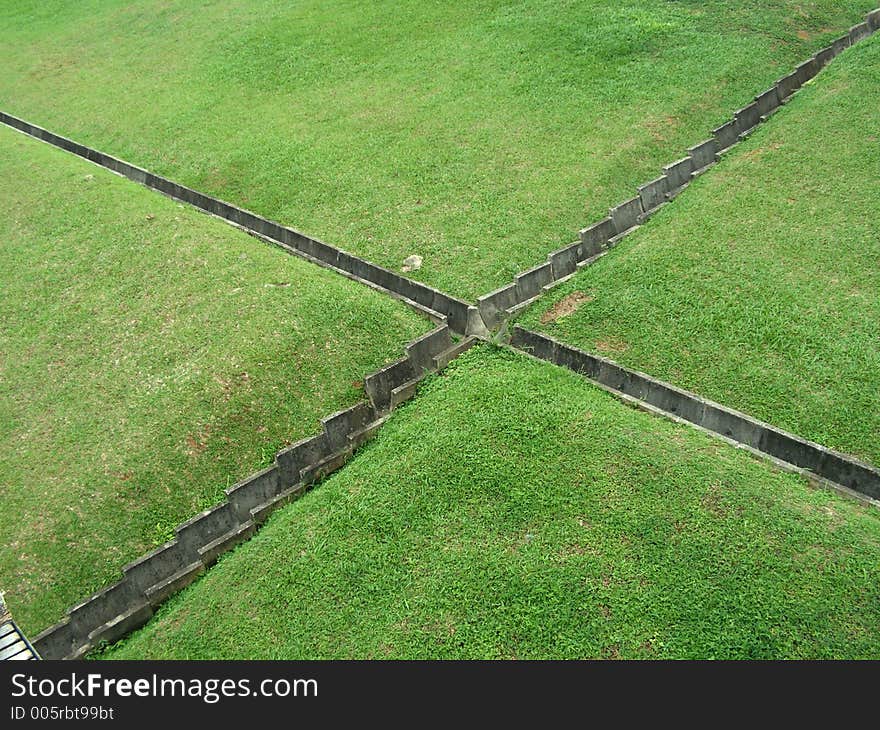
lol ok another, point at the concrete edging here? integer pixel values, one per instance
(785, 449)
(460, 316)
(497, 306)
(113, 612)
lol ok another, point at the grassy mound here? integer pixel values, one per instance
(514, 510)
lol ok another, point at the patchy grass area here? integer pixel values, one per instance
(759, 287)
(479, 135)
(149, 357)
(514, 510)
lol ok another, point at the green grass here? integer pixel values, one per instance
(759, 287)
(514, 510)
(480, 135)
(149, 357)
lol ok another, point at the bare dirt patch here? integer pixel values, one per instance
(566, 306)
(196, 443)
(663, 128)
(713, 502)
(611, 345)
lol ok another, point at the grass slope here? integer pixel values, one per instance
(149, 356)
(514, 510)
(759, 287)
(479, 135)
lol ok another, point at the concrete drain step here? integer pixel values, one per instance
(365, 434)
(447, 356)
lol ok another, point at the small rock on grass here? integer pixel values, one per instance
(412, 263)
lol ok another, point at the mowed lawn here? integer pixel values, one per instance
(150, 356)
(513, 510)
(479, 135)
(759, 287)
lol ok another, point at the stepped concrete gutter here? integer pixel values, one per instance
(793, 453)
(14, 645)
(497, 306)
(459, 315)
(116, 610)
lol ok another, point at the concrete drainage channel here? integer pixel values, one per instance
(595, 240)
(115, 611)
(459, 315)
(786, 450)
(838, 471)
